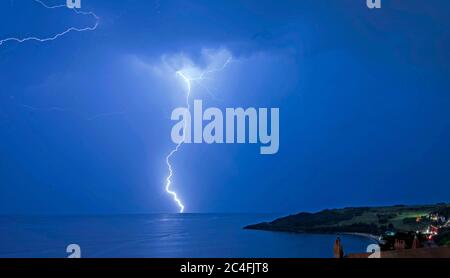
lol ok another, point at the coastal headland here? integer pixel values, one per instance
(428, 222)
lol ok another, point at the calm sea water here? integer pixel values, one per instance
(161, 235)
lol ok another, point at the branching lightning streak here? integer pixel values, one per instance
(188, 81)
(177, 147)
(70, 29)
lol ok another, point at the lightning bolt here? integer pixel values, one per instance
(52, 38)
(188, 81)
(177, 147)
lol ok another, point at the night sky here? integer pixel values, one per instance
(364, 98)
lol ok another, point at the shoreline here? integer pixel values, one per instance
(372, 237)
(369, 236)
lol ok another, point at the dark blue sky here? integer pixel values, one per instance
(364, 98)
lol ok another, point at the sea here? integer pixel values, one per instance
(162, 236)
